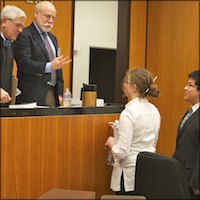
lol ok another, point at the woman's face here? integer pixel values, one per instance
(127, 87)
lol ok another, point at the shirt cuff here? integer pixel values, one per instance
(48, 67)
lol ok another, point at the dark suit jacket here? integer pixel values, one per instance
(31, 57)
(187, 149)
(6, 66)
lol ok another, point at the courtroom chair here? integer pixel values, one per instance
(160, 177)
(67, 194)
(123, 197)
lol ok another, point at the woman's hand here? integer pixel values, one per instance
(111, 124)
(110, 142)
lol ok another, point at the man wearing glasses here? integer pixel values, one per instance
(187, 142)
(38, 60)
(12, 23)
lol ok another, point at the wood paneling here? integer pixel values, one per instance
(1, 4)
(40, 153)
(172, 52)
(137, 34)
(62, 29)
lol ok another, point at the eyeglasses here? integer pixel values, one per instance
(190, 85)
(49, 16)
(18, 25)
(127, 82)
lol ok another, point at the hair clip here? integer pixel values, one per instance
(155, 78)
(147, 90)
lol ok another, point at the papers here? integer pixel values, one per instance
(18, 92)
(24, 106)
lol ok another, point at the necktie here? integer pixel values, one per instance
(6, 43)
(51, 57)
(189, 113)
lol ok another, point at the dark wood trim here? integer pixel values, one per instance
(110, 109)
(123, 41)
(72, 46)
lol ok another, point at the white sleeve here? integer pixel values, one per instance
(124, 136)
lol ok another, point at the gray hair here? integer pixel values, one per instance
(12, 12)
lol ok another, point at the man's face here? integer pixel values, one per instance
(191, 92)
(45, 18)
(11, 28)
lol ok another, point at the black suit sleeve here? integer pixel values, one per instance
(194, 180)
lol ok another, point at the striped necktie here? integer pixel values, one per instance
(51, 57)
(189, 113)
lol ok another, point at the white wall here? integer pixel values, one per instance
(95, 24)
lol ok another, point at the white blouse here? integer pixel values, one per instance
(138, 130)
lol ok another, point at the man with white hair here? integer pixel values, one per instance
(39, 65)
(11, 25)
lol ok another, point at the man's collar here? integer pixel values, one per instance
(3, 36)
(37, 27)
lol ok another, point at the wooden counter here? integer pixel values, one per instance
(43, 149)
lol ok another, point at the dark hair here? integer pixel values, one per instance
(195, 75)
(143, 79)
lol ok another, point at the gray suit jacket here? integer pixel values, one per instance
(31, 57)
(187, 149)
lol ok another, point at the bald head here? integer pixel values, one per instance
(44, 5)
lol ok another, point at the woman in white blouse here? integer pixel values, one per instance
(137, 131)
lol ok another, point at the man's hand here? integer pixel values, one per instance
(5, 97)
(196, 191)
(57, 62)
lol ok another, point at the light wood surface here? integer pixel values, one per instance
(172, 52)
(138, 22)
(68, 194)
(65, 152)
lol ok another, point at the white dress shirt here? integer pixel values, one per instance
(195, 107)
(138, 130)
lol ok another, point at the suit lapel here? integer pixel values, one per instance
(38, 40)
(192, 117)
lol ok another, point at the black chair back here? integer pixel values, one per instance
(160, 177)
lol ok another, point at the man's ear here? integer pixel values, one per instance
(35, 14)
(3, 22)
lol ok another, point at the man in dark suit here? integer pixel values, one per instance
(187, 143)
(12, 22)
(39, 66)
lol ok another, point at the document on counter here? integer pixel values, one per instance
(24, 105)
